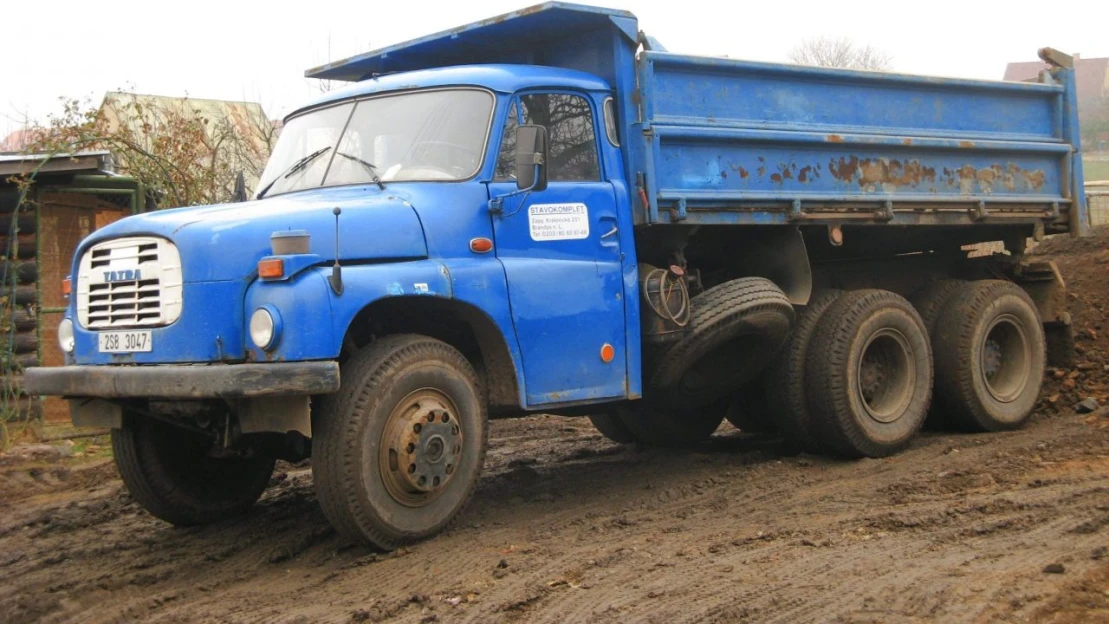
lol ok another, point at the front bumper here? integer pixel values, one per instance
(213, 381)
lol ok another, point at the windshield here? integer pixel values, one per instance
(424, 135)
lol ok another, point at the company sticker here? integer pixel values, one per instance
(551, 222)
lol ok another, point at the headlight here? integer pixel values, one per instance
(65, 335)
(264, 327)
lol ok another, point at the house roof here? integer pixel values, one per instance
(17, 164)
(1091, 76)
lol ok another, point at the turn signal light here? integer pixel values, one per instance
(481, 245)
(271, 268)
(67, 286)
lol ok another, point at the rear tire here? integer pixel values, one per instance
(169, 472)
(397, 453)
(736, 329)
(785, 379)
(612, 428)
(990, 356)
(929, 301)
(869, 374)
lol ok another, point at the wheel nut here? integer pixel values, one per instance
(446, 417)
(411, 468)
(417, 427)
(411, 448)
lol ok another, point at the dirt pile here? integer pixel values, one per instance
(1084, 265)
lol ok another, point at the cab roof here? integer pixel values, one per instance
(526, 36)
(500, 78)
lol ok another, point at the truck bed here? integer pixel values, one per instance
(728, 141)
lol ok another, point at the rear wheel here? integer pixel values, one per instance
(929, 301)
(869, 374)
(785, 378)
(397, 453)
(990, 355)
(612, 428)
(171, 472)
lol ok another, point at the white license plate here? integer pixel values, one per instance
(125, 341)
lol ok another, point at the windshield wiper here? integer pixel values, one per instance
(372, 168)
(293, 168)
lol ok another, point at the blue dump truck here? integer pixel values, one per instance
(548, 212)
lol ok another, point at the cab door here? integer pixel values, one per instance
(562, 258)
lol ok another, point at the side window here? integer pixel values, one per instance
(610, 123)
(506, 158)
(571, 140)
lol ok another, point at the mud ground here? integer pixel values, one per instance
(568, 527)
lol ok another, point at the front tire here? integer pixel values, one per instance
(169, 471)
(397, 453)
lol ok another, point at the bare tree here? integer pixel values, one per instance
(840, 52)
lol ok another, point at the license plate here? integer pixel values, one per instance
(125, 342)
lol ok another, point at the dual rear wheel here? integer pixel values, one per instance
(862, 370)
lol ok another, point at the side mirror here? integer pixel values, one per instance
(531, 157)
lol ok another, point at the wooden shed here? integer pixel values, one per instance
(41, 224)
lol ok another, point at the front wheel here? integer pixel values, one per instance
(172, 473)
(397, 453)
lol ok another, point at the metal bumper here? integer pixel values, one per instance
(214, 381)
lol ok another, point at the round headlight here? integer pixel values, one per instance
(65, 335)
(263, 328)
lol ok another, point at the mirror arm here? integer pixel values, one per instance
(496, 204)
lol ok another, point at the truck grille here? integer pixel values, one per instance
(129, 282)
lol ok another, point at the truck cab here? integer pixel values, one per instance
(547, 212)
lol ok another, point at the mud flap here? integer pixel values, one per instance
(95, 413)
(275, 414)
(1043, 282)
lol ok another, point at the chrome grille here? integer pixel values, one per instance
(129, 282)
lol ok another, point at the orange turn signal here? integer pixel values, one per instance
(271, 268)
(67, 286)
(607, 353)
(481, 245)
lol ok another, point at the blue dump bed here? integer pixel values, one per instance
(739, 142)
(722, 141)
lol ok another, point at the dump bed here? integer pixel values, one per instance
(729, 141)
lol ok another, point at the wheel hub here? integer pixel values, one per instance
(885, 375)
(1006, 358)
(421, 447)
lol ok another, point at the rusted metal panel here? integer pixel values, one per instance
(730, 141)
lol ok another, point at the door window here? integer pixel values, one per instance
(571, 139)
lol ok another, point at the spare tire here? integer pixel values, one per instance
(736, 330)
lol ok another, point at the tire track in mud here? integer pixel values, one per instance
(958, 528)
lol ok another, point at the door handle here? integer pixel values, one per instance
(610, 233)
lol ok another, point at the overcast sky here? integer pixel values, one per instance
(239, 50)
